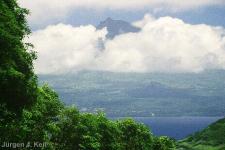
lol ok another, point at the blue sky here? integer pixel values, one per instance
(75, 12)
(211, 15)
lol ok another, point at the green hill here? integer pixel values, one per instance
(211, 138)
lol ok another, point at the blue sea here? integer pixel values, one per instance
(176, 127)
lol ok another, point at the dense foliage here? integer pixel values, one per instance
(18, 86)
(211, 138)
(59, 127)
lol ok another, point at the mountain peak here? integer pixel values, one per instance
(109, 19)
(116, 27)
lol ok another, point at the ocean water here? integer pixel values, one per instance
(176, 127)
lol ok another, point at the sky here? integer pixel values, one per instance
(176, 36)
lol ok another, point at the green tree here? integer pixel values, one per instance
(110, 133)
(77, 131)
(18, 85)
(38, 123)
(164, 143)
(135, 136)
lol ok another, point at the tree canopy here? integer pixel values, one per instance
(18, 84)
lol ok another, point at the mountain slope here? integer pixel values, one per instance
(143, 94)
(116, 27)
(211, 138)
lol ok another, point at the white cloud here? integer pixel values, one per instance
(163, 45)
(65, 48)
(141, 23)
(46, 10)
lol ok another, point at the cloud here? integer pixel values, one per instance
(44, 11)
(163, 45)
(65, 48)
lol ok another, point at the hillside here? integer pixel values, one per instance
(136, 94)
(211, 138)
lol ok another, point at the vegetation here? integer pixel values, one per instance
(49, 122)
(191, 94)
(211, 138)
(18, 83)
(34, 115)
